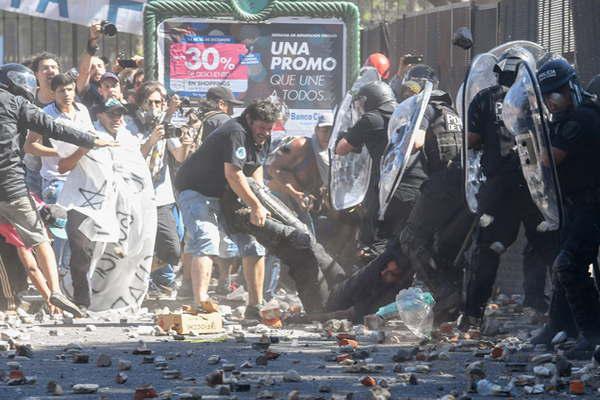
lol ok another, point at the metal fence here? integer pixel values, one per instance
(24, 36)
(586, 24)
(552, 23)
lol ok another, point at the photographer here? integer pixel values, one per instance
(161, 147)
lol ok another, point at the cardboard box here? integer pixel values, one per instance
(191, 323)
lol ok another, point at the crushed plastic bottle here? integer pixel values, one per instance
(413, 306)
(487, 388)
(415, 310)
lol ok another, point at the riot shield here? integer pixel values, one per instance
(523, 115)
(481, 76)
(402, 129)
(349, 174)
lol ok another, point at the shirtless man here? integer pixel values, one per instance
(299, 168)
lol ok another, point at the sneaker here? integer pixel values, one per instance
(61, 301)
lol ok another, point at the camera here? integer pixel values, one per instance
(411, 60)
(172, 131)
(108, 28)
(186, 102)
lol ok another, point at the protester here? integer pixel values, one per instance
(222, 101)
(17, 85)
(39, 278)
(107, 198)
(299, 169)
(64, 110)
(237, 149)
(45, 67)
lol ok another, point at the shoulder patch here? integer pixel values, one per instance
(240, 153)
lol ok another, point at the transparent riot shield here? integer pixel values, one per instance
(481, 76)
(523, 115)
(349, 174)
(403, 127)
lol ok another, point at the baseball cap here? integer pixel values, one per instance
(55, 219)
(325, 119)
(222, 93)
(111, 105)
(109, 75)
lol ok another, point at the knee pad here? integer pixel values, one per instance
(563, 261)
(498, 247)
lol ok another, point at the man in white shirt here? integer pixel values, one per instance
(66, 111)
(111, 233)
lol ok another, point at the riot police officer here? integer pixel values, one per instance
(575, 140)
(376, 102)
(504, 197)
(416, 173)
(440, 203)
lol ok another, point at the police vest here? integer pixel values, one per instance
(444, 135)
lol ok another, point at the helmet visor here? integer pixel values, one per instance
(24, 80)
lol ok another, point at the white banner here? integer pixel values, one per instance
(125, 14)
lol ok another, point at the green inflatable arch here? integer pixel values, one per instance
(251, 11)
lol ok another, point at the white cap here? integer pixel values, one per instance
(325, 119)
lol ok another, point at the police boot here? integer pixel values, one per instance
(582, 297)
(544, 336)
(584, 348)
(466, 322)
(560, 318)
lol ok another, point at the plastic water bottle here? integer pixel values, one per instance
(415, 310)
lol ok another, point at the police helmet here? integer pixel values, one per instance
(508, 64)
(376, 95)
(18, 80)
(380, 62)
(556, 73)
(421, 73)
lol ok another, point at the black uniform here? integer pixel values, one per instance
(371, 131)
(231, 143)
(441, 203)
(17, 115)
(575, 298)
(505, 196)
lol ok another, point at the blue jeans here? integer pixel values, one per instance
(51, 188)
(272, 272)
(205, 231)
(33, 180)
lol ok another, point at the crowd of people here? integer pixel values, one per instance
(112, 190)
